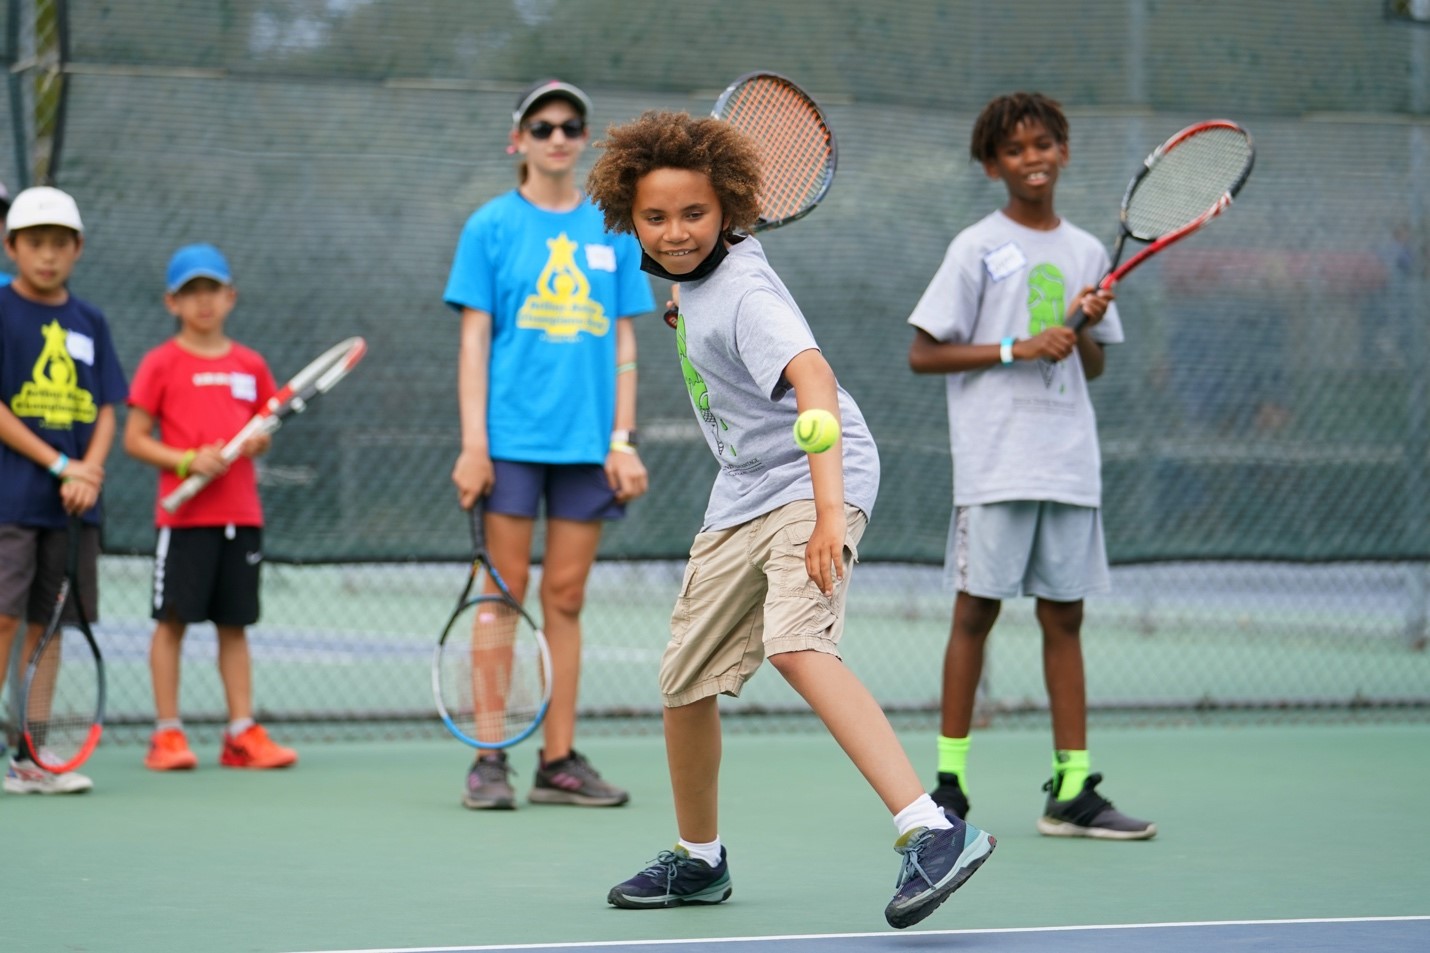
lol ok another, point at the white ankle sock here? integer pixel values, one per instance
(238, 726)
(710, 853)
(921, 813)
(166, 724)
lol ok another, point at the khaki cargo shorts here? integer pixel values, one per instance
(746, 595)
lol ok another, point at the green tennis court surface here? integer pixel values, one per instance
(365, 846)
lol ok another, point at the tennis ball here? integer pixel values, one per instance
(815, 431)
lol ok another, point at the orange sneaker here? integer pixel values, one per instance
(254, 749)
(169, 751)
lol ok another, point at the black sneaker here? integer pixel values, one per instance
(572, 780)
(674, 879)
(489, 784)
(949, 796)
(936, 863)
(1090, 815)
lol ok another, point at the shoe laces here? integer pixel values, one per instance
(575, 763)
(252, 737)
(911, 866)
(171, 739)
(491, 770)
(666, 863)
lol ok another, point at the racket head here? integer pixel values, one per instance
(491, 672)
(62, 694)
(1188, 179)
(322, 374)
(798, 152)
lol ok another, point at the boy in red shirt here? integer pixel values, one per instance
(198, 389)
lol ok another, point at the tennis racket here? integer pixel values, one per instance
(62, 698)
(491, 673)
(1185, 183)
(797, 149)
(317, 378)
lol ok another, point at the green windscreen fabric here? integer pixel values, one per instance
(1264, 432)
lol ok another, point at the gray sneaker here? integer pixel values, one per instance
(1090, 815)
(572, 780)
(489, 784)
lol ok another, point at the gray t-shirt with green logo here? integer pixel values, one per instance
(1026, 431)
(739, 328)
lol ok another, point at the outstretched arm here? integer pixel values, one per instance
(815, 387)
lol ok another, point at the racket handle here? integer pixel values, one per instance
(1077, 321)
(184, 492)
(477, 516)
(259, 424)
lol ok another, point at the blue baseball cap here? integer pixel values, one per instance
(197, 261)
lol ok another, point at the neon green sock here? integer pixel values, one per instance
(953, 758)
(1070, 769)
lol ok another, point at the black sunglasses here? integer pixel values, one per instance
(571, 128)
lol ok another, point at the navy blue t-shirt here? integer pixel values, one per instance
(57, 369)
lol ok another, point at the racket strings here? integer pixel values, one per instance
(493, 677)
(61, 699)
(1187, 181)
(333, 365)
(793, 140)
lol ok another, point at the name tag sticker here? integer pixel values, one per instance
(80, 346)
(243, 386)
(1005, 260)
(600, 258)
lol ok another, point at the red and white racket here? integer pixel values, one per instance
(1185, 183)
(319, 377)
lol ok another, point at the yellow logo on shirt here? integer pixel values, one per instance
(54, 395)
(562, 305)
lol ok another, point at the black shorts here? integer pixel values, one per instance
(208, 574)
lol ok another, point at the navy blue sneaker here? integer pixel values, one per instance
(674, 879)
(936, 863)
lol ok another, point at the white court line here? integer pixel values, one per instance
(854, 936)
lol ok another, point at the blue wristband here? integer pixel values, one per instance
(1005, 351)
(59, 465)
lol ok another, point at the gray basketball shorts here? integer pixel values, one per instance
(1036, 548)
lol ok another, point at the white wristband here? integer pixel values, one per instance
(1005, 351)
(59, 465)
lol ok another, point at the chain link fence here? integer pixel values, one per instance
(1266, 448)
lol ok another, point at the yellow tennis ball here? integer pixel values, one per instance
(815, 431)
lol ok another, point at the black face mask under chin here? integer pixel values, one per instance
(717, 255)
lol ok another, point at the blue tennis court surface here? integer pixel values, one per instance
(1361, 934)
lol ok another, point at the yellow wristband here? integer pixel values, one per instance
(184, 463)
(620, 446)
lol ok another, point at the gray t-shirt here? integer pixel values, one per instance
(1025, 431)
(739, 329)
